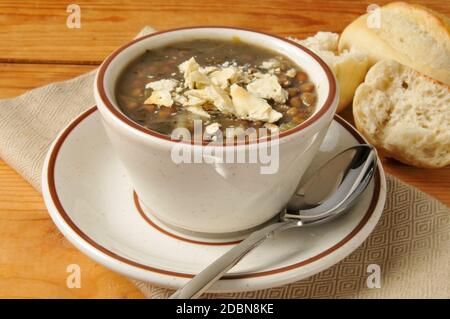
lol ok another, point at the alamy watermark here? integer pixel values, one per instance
(373, 16)
(74, 18)
(374, 279)
(219, 148)
(73, 280)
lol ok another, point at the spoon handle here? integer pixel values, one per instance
(202, 281)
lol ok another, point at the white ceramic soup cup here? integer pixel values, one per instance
(213, 197)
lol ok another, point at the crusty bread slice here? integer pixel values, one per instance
(349, 67)
(411, 34)
(404, 113)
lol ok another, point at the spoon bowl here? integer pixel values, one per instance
(355, 166)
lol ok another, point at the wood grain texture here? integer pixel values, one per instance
(36, 30)
(16, 78)
(34, 255)
(37, 49)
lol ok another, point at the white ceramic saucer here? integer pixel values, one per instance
(91, 201)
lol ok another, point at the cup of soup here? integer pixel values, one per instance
(215, 126)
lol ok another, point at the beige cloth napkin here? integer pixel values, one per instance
(411, 243)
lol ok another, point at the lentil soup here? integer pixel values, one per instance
(226, 86)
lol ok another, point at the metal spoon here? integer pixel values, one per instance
(352, 170)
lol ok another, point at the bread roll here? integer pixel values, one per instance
(349, 67)
(410, 34)
(405, 114)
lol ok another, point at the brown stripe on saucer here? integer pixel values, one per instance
(60, 209)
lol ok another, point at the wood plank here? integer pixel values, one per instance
(34, 255)
(16, 79)
(36, 30)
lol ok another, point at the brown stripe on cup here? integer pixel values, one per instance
(119, 115)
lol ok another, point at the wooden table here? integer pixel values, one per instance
(37, 48)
